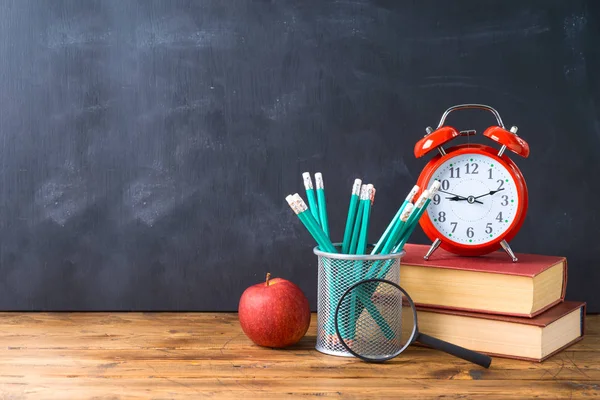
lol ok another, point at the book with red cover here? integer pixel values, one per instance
(542, 321)
(528, 265)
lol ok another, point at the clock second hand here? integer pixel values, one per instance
(457, 197)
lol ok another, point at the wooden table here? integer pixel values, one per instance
(196, 355)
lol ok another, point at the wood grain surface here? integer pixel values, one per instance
(206, 355)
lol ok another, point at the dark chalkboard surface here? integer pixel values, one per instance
(147, 146)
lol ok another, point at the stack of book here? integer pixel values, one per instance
(492, 305)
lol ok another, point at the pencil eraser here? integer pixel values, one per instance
(307, 181)
(319, 180)
(435, 186)
(364, 192)
(373, 195)
(293, 203)
(422, 198)
(356, 187)
(300, 203)
(406, 212)
(412, 193)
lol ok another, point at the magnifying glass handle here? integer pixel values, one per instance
(460, 352)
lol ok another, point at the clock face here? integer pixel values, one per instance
(477, 200)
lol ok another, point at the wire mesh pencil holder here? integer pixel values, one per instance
(337, 272)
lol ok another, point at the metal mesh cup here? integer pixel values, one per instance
(337, 272)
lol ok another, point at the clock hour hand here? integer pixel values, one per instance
(491, 192)
(460, 198)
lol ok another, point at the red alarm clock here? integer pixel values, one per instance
(482, 200)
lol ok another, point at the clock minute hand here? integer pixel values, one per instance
(491, 192)
(457, 197)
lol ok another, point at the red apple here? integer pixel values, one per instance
(274, 313)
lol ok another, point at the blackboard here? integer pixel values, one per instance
(147, 146)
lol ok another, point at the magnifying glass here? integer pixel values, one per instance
(376, 320)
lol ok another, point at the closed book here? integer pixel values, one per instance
(491, 284)
(532, 339)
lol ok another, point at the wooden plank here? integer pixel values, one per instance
(417, 364)
(183, 355)
(184, 388)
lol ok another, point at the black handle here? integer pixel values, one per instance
(460, 352)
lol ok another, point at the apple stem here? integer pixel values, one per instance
(268, 277)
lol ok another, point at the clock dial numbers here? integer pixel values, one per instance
(473, 168)
(480, 199)
(454, 225)
(442, 216)
(488, 228)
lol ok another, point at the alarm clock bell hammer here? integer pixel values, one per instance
(485, 193)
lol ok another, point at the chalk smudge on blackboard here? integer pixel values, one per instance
(488, 33)
(73, 111)
(78, 32)
(282, 106)
(268, 224)
(63, 196)
(573, 27)
(182, 32)
(153, 195)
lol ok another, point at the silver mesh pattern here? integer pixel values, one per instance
(337, 272)
(375, 332)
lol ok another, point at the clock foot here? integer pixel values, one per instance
(433, 248)
(508, 250)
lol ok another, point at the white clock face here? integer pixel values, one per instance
(477, 201)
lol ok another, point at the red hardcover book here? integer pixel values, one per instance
(490, 284)
(533, 339)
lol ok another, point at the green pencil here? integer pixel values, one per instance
(352, 209)
(302, 210)
(354, 274)
(383, 239)
(415, 219)
(310, 195)
(299, 207)
(358, 221)
(322, 204)
(409, 227)
(392, 240)
(396, 230)
(361, 247)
